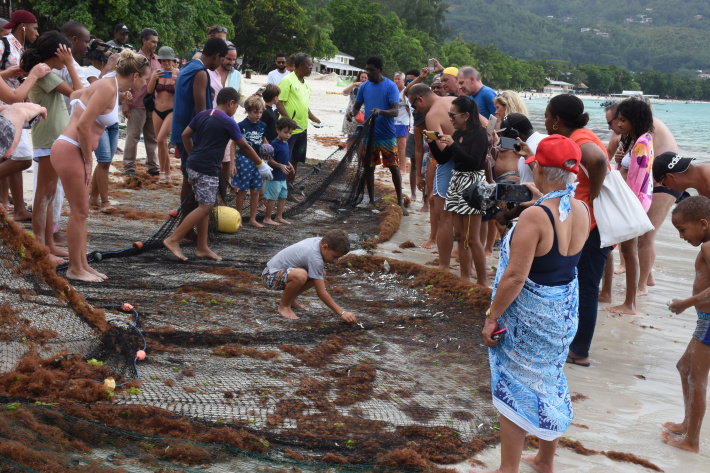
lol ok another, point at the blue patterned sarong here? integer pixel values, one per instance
(527, 381)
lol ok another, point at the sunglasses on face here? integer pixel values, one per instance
(219, 29)
(454, 115)
(280, 62)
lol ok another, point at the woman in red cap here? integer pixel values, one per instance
(535, 299)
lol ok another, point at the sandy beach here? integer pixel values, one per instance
(632, 385)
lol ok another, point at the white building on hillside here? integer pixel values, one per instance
(558, 87)
(340, 64)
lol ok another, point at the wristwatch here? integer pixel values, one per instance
(488, 315)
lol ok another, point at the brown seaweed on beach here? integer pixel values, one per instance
(577, 447)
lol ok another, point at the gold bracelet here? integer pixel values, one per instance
(488, 315)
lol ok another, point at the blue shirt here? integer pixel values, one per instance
(184, 104)
(213, 130)
(484, 100)
(281, 156)
(379, 95)
(253, 133)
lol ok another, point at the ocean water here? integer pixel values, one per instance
(689, 123)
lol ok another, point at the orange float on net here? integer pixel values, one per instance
(173, 213)
(140, 354)
(138, 245)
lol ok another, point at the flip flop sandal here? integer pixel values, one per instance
(575, 361)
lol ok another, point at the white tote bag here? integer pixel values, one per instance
(618, 212)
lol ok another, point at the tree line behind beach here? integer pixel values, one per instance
(404, 34)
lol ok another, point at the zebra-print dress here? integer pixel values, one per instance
(460, 181)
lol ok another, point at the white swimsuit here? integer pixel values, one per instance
(104, 120)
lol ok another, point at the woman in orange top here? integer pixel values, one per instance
(565, 116)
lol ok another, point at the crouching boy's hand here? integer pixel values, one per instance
(348, 317)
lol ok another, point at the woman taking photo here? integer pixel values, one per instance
(535, 299)
(93, 109)
(635, 121)
(53, 49)
(468, 148)
(565, 116)
(163, 84)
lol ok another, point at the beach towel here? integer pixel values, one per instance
(527, 381)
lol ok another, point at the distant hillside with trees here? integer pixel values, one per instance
(668, 35)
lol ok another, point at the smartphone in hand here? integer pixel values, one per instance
(509, 143)
(513, 193)
(432, 135)
(32, 122)
(492, 122)
(499, 334)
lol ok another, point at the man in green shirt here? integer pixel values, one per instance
(293, 103)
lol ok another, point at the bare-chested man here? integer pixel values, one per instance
(678, 173)
(436, 109)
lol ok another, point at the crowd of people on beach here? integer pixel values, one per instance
(455, 133)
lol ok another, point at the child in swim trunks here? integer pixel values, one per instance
(692, 219)
(300, 267)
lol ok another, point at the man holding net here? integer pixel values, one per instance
(381, 98)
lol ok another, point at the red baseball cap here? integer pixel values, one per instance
(554, 150)
(18, 17)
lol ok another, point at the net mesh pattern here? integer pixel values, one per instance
(412, 372)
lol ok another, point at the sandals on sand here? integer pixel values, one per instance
(574, 360)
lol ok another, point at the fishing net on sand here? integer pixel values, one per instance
(227, 384)
(337, 180)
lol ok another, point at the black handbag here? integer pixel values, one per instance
(149, 102)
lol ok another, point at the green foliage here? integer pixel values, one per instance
(427, 16)
(361, 29)
(180, 24)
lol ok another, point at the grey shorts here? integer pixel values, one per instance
(204, 186)
(411, 145)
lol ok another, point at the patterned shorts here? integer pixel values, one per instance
(702, 329)
(276, 281)
(7, 135)
(383, 151)
(204, 186)
(247, 176)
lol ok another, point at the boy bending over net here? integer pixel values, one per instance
(300, 267)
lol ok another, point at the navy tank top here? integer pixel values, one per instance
(553, 269)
